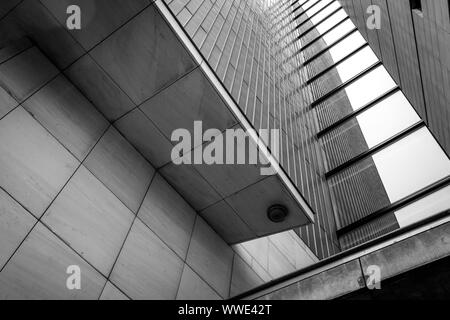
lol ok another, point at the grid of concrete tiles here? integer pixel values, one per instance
(59, 153)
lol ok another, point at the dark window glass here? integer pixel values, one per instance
(416, 5)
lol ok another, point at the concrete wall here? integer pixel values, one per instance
(74, 191)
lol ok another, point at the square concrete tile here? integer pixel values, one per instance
(145, 137)
(191, 185)
(167, 214)
(110, 292)
(222, 218)
(34, 165)
(99, 17)
(143, 56)
(243, 278)
(91, 219)
(192, 98)
(279, 265)
(99, 88)
(68, 115)
(38, 271)
(121, 168)
(15, 223)
(7, 103)
(192, 287)
(211, 257)
(32, 19)
(147, 268)
(24, 74)
(7, 5)
(12, 47)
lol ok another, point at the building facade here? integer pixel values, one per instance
(89, 182)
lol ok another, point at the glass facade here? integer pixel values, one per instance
(351, 141)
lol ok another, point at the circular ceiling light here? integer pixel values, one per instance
(277, 213)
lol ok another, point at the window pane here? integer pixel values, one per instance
(422, 209)
(354, 96)
(309, 4)
(372, 127)
(330, 38)
(343, 72)
(335, 54)
(325, 13)
(411, 164)
(427, 207)
(390, 175)
(319, 18)
(321, 28)
(313, 10)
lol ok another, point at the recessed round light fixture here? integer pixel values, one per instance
(277, 213)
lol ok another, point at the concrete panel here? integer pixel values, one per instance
(32, 19)
(143, 56)
(145, 137)
(210, 257)
(190, 99)
(34, 165)
(191, 185)
(192, 287)
(121, 168)
(99, 18)
(244, 277)
(38, 271)
(99, 88)
(15, 223)
(224, 220)
(167, 214)
(68, 116)
(146, 267)
(110, 292)
(24, 74)
(91, 219)
(7, 103)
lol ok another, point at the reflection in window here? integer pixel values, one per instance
(369, 231)
(354, 96)
(336, 54)
(315, 9)
(322, 27)
(309, 4)
(427, 207)
(330, 38)
(339, 32)
(419, 210)
(344, 71)
(367, 130)
(390, 175)
(411, 164)
(325, 13)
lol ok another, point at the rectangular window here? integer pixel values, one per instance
(388, 176)
(367, 130)
(416, 5)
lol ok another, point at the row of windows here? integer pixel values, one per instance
(378, 150)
